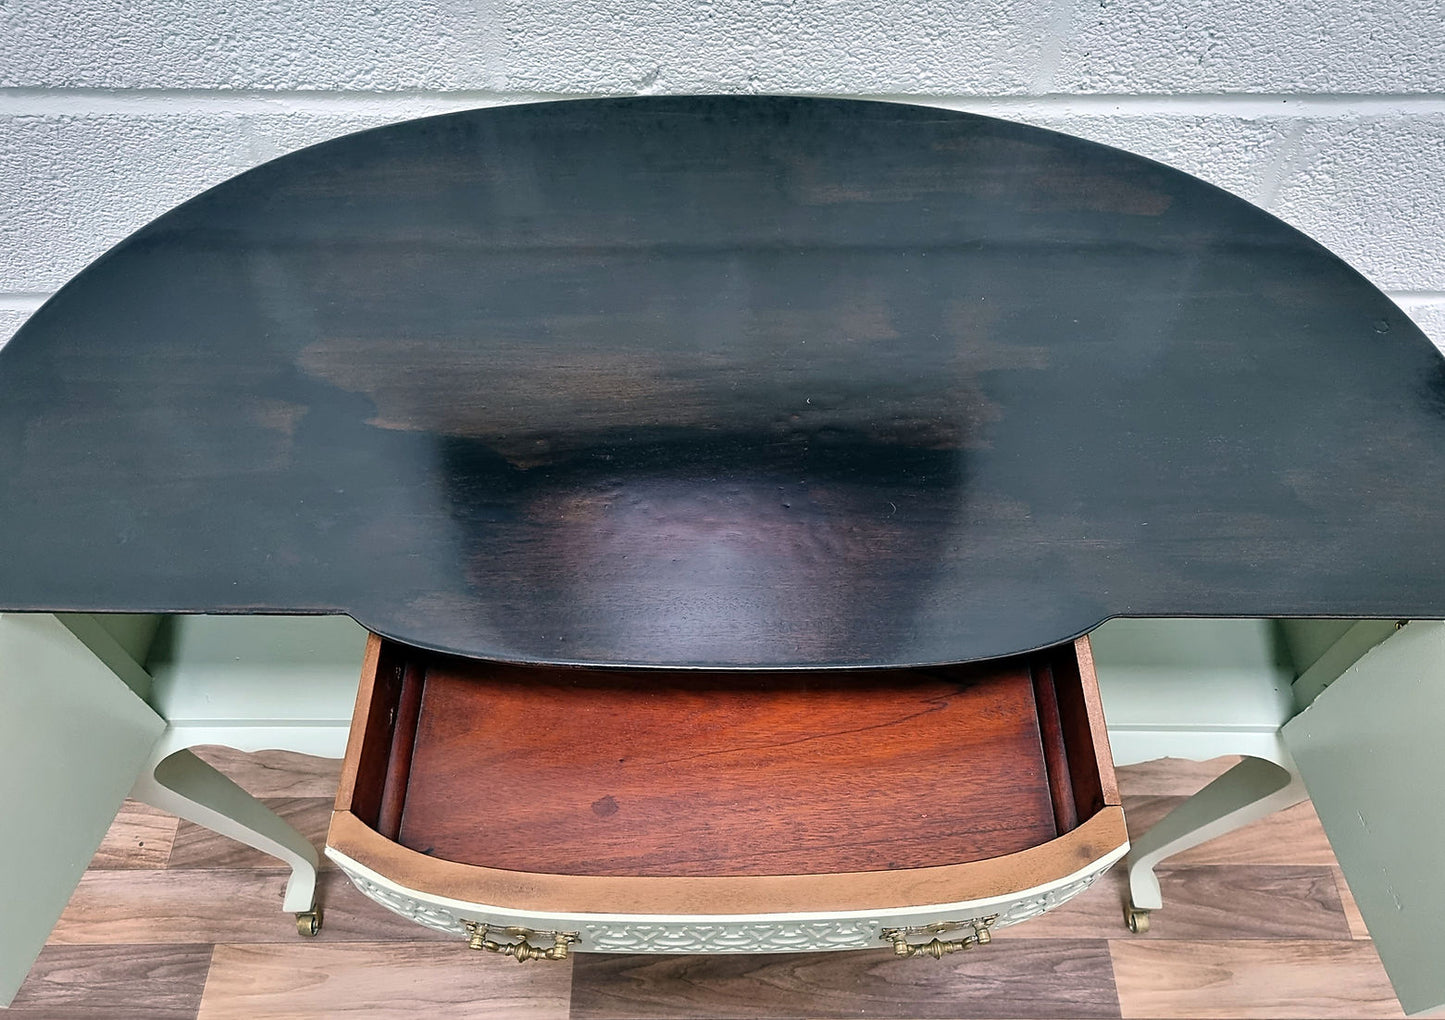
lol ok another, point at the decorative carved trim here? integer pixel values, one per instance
(757, 935)
(733, 938)
(423, 913)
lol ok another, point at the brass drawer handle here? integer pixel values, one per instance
(939, 948)
(522, 950)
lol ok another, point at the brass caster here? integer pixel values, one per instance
(308, 923)
(1136, 919)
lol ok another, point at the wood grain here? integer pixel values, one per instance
(1266, 915)
(1352, 909)
(363, 770)
(140, 837)
(1291, 836)
(1238, 902)
(196, 846)
(1081, 712)
(733, 894)
(1285, 978)
(385, 981)
(1056, 754)
(585, 772)
(114, 983)
(276, 773)
(1171, 777)
(156, 907)
(773, 381)
(1032, 979)
(397, 777)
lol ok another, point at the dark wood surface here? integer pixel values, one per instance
(363, 784)
(1054, 753)
(1082, 730)
(605, 772)
(403, 733)
(722, 381)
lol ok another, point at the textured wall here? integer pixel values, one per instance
(1331, 115)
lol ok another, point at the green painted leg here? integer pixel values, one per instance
(184, 785)
(1251, 790)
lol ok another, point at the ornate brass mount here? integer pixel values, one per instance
(522, 950)
(939, 948)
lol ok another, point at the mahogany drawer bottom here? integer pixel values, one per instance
(686, 811)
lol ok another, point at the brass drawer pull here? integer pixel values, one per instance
(522, 950)
(939, 948)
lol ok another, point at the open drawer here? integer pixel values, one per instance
(688, 811)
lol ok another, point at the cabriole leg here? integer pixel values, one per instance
(1249, 791)
(184, 785)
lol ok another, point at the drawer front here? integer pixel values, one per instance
(759, 933)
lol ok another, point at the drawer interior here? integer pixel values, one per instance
(597, 772)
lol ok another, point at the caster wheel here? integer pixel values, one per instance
(1136, 919)
(308, 923)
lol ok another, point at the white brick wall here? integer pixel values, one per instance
(1331, 115)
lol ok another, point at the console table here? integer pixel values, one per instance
(728, 384)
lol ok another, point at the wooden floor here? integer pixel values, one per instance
(172, 921)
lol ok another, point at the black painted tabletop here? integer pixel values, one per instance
(724, 381)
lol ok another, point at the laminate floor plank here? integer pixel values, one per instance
(1033, 979)
(1171, 777)
(1238, 901)
(380, 982)
(276, 773)
(1352, 909)
(140, 837)
(220, 906)
(1291, 836)
(1277, 980)
(1256, 924)
(114, 983)
(195, 846)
